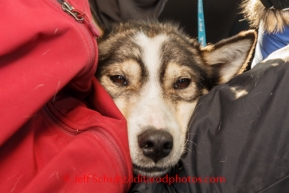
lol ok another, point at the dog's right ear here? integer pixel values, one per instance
(230, 57)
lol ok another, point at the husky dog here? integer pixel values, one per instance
(155, 74)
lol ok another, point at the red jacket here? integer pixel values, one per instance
(60, 131)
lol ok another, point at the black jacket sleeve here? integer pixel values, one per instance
(277, 4)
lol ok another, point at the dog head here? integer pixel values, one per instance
(156, 74)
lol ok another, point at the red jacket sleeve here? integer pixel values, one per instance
(50, 140)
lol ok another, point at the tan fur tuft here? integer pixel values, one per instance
(272, 20)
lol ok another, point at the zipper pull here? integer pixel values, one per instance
(91, 26)
(81, 17)
(70, 10)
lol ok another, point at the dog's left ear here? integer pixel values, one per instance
(230, 56)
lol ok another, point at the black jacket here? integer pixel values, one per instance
(106, 12)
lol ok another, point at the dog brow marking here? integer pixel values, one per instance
(151, 48)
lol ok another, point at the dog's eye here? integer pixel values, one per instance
(118, 79)
(182, 83)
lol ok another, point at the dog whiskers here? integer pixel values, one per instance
(187, 149)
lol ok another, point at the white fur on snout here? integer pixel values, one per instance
(151, 109)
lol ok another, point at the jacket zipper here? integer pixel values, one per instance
(80, 17)
(90, 29)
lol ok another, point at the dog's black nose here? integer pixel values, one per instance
(155, 144)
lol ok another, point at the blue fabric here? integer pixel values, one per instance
(272, 42)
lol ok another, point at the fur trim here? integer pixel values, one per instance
(273, 20)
